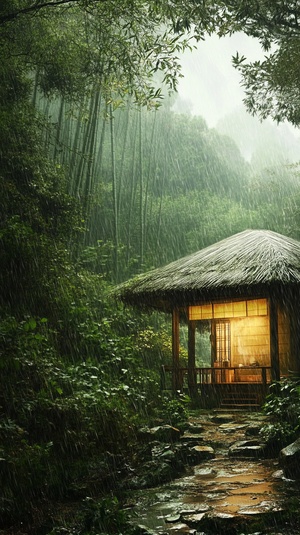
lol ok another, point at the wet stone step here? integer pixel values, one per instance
(191, 438)
(247, 448)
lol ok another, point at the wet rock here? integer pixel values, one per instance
(162, 451)
(140, 529)
(247, 448)
(289, 459)
(194, 519)
(219, 496)
(196, 454)
(197, 509)
(170, 454)
(216, 522)
(191, 438)
(231, 428)
(206, 473)
(181, 529)
(161, 433)
(166, 433)
(172, 518)
(203, 452)
(253, 430)
(264, 512)
(194, 428)
(278, 474)
(222, 418)
(153, 473)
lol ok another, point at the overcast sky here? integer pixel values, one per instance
(211, 86)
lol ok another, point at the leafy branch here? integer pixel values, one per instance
(37, 6)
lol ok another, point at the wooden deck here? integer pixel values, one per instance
(232, 386)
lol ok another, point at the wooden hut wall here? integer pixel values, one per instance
(284, 342)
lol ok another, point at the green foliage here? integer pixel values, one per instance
(61, 420)
(70, 51)
(103, 516)
(271, 85)
(283, 407)
(175, 411)
(278, 435)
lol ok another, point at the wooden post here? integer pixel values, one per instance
(176, 378)
(274, 347)
(294, 316)
(192, 359)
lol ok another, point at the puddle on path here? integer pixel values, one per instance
(238, 484)
(220, 486)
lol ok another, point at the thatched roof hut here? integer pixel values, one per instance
(252, 262)
(246, 289)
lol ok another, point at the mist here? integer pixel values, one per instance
(212, 88)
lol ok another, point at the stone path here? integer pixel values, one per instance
(230, 493)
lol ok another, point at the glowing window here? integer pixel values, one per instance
(257, 307)
(232, 309)
(203, 312)
(239, 309)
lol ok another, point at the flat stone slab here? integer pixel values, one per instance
(247, 448)
(181, 529)
(194, 519)
(191, 437)
(172, 518)
(195, 428)
(231, 427)
(197, 509)
(261, 510)
(222, 418)
(203, 452)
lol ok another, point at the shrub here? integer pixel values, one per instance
(175, 411)
(283, 407)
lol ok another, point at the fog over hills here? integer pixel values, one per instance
(212, 88)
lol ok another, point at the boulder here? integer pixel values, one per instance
(165, 433)
(194, 428)
(191, 455)
(198, 454)
(160, 433)
(289, 459)
(194, 519)
(217, 523)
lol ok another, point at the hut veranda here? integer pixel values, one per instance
(243, 292)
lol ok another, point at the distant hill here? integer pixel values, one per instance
(263, 144)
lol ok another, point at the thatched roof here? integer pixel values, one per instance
(253, 262)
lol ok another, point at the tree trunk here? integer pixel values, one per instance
(115, 200)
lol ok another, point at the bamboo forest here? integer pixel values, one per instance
(105, 176)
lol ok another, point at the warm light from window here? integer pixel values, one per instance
(232, 309)
(202, 312)
(257, 307)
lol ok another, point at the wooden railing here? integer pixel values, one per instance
(221, 375)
